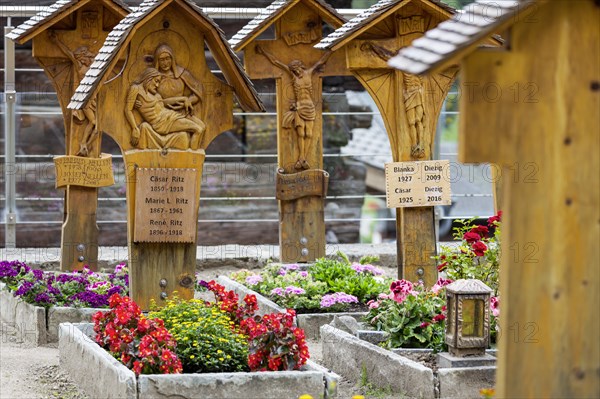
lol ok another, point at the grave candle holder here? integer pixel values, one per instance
(468, 321)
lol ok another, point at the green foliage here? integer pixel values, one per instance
(477, 255)
(303, 290)
(416, 320)
(208, 341)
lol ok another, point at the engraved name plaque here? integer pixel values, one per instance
(165, 205)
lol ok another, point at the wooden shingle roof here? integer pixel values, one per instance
(119, 37)
(51, 14)
(273, 12)
(363, 21)
(453, 39)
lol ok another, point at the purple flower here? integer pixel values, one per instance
(92, 299)
(24, 288)
(121, 268)
(374, 270)
(303, 273)
(338, 297)
(44, 298)
(201, 283)
(38, 274)
(293, 266)
(277, 291)
(292, 290)
(12, 269)
(254, 279)
(282, 272)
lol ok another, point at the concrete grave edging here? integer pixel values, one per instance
(81, 357)
(357, 359)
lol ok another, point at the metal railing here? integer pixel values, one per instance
(9, 113)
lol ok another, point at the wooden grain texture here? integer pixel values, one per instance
(301, 224)
(544, 130)
(79, 231)
(366, 57)
(151, 262)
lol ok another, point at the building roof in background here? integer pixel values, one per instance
(365, 19)
(52, 14)
(273, 12)
(453, 39)
(120, 36)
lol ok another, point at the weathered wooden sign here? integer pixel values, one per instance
(165, 205)
(84, 172)
(298, 68)
(303, 184)
(421, 183)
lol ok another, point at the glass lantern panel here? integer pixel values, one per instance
(472, 315)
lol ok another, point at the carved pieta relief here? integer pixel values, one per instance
(164, 98)
(413, 101)
(81, 58)
(302, 112)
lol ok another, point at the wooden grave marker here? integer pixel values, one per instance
(66, 37)
(298, 69)
(159, 110)
(409, 106)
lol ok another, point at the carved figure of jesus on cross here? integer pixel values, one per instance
(297, 67)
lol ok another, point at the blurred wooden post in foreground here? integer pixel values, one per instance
(533, 109)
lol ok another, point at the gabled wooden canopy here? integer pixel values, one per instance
(116, 43)
(56, 13)
(272, 13)
(452, 40)
(367, 19)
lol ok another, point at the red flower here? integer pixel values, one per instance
(481, 230)
(441, 267)
(494, 220)
(439, 317)
(479, 248)
(471, 237)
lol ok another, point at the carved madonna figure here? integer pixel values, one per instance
(161, 126)
(176, 81)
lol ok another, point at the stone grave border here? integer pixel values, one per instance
(81, 357)
(357, 359)
(37, 325)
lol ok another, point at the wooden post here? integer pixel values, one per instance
(409, 105)
(65, 44)
(298, 69)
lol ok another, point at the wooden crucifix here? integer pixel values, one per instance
(409, 105)
(298, 69)
(65, 43)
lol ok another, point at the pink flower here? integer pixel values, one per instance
(401, 289)
(441, 283)
(373, 304)
(495, 305)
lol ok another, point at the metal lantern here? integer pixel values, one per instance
(468, 321)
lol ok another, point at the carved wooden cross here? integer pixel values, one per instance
(298, 68)
(65, 44)
(409, 106)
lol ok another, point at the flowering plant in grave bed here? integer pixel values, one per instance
(77, 289)
(328, 285)
(476, 257)
(197, 336)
